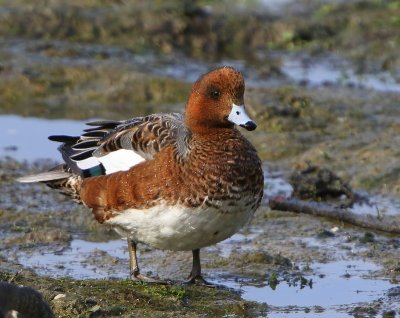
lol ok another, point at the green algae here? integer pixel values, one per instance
(124, 298)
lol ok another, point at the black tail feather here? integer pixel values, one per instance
(63, 138)
(86, 144)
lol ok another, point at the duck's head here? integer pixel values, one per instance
(216, 101)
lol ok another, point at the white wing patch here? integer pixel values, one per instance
(120, 160)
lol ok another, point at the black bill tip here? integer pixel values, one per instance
(250, 125)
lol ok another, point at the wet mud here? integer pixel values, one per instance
(323, 86)
(56, 247)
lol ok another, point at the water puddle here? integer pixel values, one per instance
(378, 206)
(25, 138)
(276, 185)
(331, 70)
(322, 290)
(80, 260)
(308, 313)
(334, 285)
(275, 6)
(236, 242)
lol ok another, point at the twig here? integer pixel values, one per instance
(326, 210)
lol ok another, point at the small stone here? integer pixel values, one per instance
(59, 296)
(334, 229)
(94, 308)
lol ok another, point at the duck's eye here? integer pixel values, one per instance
(214, 93)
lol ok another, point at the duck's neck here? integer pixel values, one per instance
(208, 127)
(215, 135)
(201, 120)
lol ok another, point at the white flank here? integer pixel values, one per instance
(180, 228)
(88, 163)
(238, 115)
(120, 160)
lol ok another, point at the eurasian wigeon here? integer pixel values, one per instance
(171, 181)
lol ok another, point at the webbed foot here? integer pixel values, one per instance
(137, 277)
(199, 281)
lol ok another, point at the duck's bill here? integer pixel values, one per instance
(239, 117)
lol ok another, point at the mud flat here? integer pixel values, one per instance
(322, 268)
(323, 85)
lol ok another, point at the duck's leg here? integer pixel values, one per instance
(134, 267)
(195, 275)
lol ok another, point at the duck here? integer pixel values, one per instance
(172, 181)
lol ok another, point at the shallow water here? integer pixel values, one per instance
(25, 138)
(335, 285)
(275, 5)
(335, 71)
(72, 261)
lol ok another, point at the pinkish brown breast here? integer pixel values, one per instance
(221, 166)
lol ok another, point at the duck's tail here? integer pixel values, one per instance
(61, 178)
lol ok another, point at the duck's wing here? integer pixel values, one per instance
(111, 146)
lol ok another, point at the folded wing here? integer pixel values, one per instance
(111, 146)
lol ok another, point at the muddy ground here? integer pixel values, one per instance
(112, 59)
